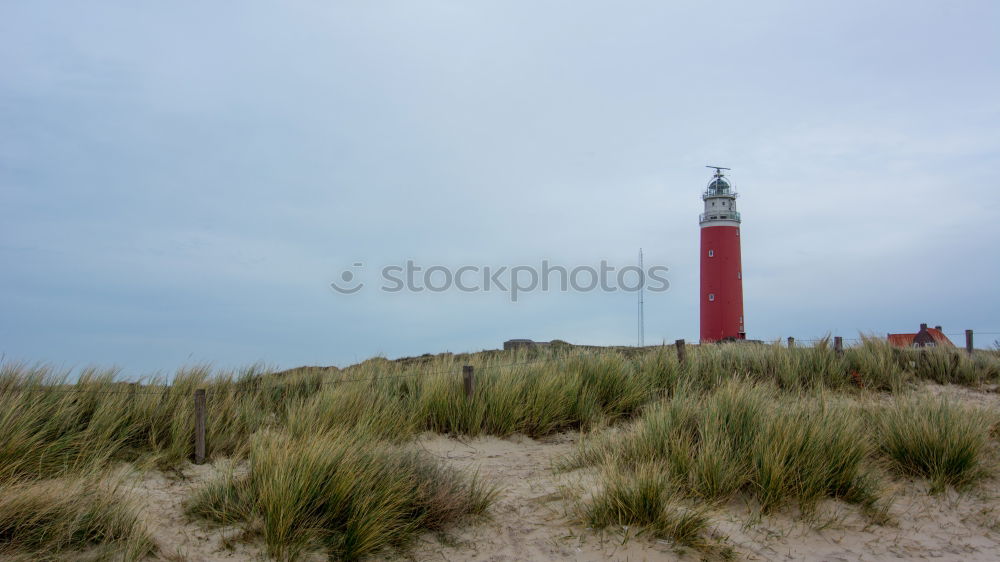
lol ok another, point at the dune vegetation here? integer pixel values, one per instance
(329, 464)
(770, 449)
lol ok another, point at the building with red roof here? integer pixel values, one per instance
(926, 337)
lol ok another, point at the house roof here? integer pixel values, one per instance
(907, 340)
(939, 337)
(901, 340)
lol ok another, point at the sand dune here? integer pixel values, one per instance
(532, 519)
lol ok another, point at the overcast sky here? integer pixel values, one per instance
(181, 182)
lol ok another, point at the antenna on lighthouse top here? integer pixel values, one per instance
(718, 170)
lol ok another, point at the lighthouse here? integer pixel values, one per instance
(721, 268)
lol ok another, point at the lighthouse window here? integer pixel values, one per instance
(739, 275)
(711, 253)
(711, 297)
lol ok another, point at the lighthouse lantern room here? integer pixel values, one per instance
(721, 268)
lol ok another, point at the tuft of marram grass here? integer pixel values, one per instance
(646, 497)
(380, 408)
(343, 491)
(934, 438)
(810, 450)
(748, 439)
(53, 517)
(536, 399)
(53, 427)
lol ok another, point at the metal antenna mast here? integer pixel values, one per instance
(642, 316)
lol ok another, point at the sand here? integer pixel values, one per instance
(161, 495)
(533, 516)
(530, 520)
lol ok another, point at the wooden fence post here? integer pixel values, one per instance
(199, 426)
(968, 341)
(681, 352)
(791, 342)
(469, 381)
(838, 344)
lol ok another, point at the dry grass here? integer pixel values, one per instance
(71, 514)
(645, 496)
(746, 439)
(935, 439)
(763, 422)
(342, 492)
(772, 448)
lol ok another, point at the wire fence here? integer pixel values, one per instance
(244, 386)
(235, 387)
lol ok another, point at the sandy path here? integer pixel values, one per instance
(530, 520)
(161, 495)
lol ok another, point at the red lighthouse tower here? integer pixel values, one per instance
(721, 269)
